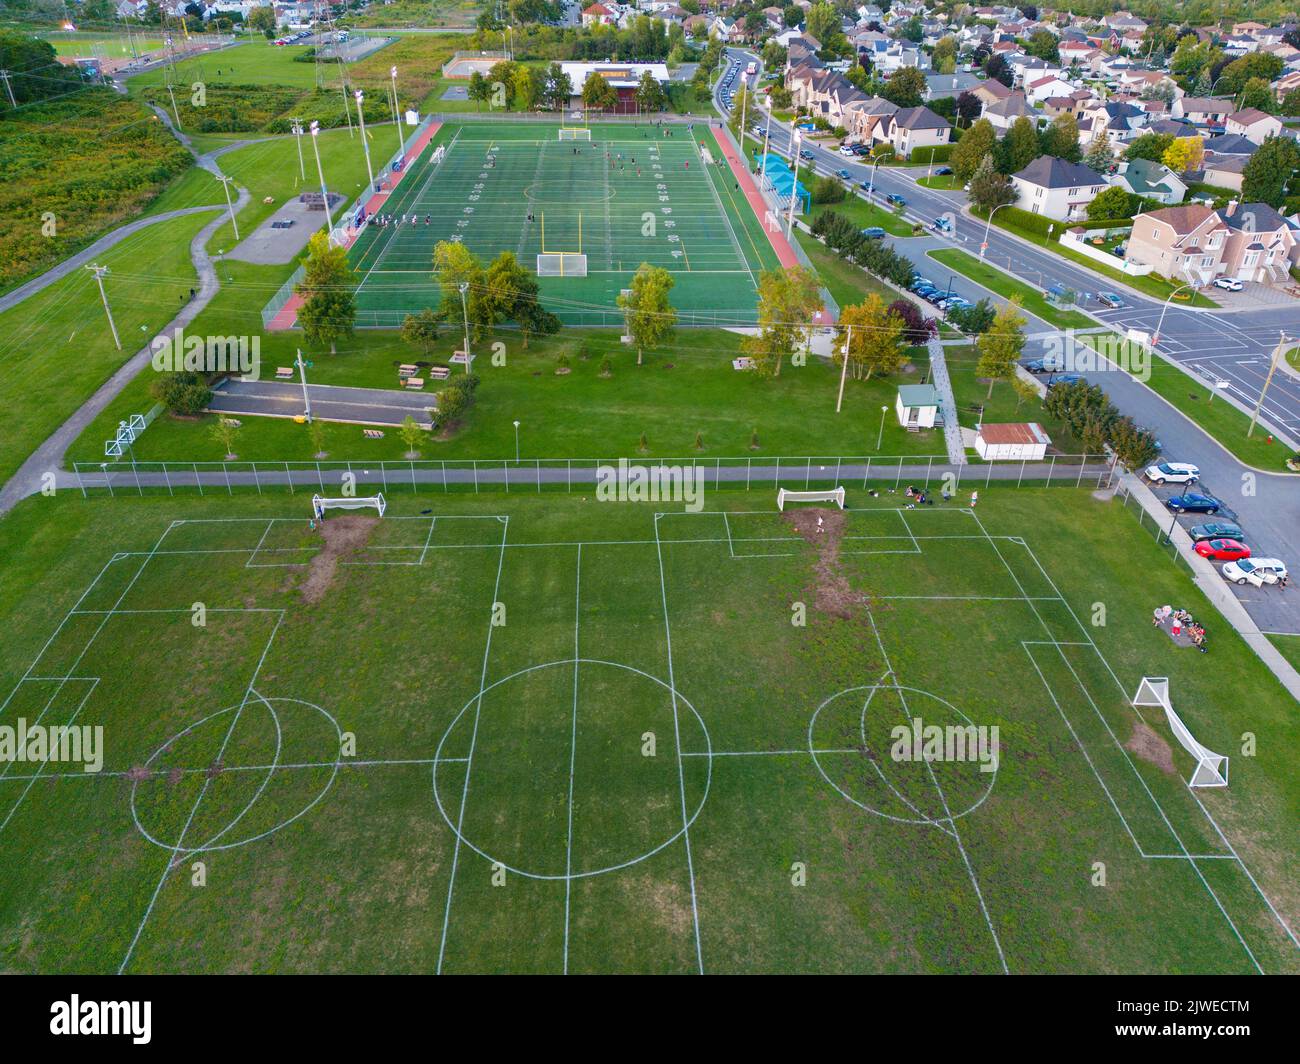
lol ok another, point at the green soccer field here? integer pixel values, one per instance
(517, 187)
(493, 733)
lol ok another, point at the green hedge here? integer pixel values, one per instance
(937, 153)
(1029, 224)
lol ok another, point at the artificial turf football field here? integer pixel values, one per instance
(653, 200)
(547, 735)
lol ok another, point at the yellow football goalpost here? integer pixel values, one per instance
(563, 262)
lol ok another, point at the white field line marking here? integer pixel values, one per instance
(281, 767)
(469, 760)
(952, 823)
(172, 857)
(573, 757)
(37, 774)
(266, 532)
(1158, 807)
(677, 738)
(425, 550)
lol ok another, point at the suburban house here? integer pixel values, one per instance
(1153, 180)
(1202, 111)
(911, 128)
(1003, 114)
(1253, 123)
(1056, 188)
(1225, 171)
(1012, 442)
(1194, 242)
(1040, 89)
(990, 92)
(863, 116)
(598, 15)
(917, 406)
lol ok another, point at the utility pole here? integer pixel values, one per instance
(9, 89)
(225, 183)
(302, 376)
(397, 118)
(297, 132)
(794, 188)
(844, 370)
(464, 287)
(324, 194)
(365, 144)
(1272, 368)
(99, 272)
(175, 113)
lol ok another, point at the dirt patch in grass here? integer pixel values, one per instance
(1150, 746)
(343, 536)
(824, 529)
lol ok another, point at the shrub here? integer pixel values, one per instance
(182, 393)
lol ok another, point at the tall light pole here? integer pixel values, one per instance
(365, 144)
(302, 376)
(464, 313)
(297, 134)
(880, 436)
(99, 272)
(794, 188)
(1155, 339)
(767, 139)
(225, 183)
(397, 117)
(844, 369)
(1272, 368)
(984, 244)
(871, 184)
(324, 194)
(516, 441)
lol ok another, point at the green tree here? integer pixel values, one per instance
(1100, 156)
(558, 87)
(261, 19)
(455, 265)
(650, 94)
(599, 94)
(1000, 347)
(1113, 202)
(504, 283)
(412, 435)
(224, 430)
(823, 21)
(1185, 155)
(184, 392)
(1026, 391)
(905, 87)
(1258, 93)
(1265, 178)
(421, 330)
(742, 108)
(970, 151)
(329, 308)
(872, 336)
(944, 59)
(788, 300)
(1061, 139)
(1149, 146)
(648, 315)
(1044, 45)
(1020, 146)
(480, 89)
(990, 189)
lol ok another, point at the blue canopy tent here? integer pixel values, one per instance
(780, 179)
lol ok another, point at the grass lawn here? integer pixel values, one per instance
(943, 183)
(1006, 286)
(1220, 419)
(864, 214)
(1289, 645)
(56, 346)
(975, 407)
(102, 45)
(689, 387)
(1153, 286)
(548, 714)
(253, 62)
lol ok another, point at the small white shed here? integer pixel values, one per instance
(1012, 442)
(917, 406)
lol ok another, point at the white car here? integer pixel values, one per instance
(847, 152)
(1231, 284)
(1256, 571)
(1173, 473)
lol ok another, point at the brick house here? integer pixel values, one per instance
(1250, 242)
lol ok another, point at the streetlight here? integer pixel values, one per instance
(880, 436)
(1155, 339)
(365, 144)
(297, 136)
(516, 441)
(464, 287)
(794, 188)
(871, 185)
(985, 243)
(324, 195)
(397, 120)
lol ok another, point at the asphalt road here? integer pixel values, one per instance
(1233, 345)
(362, 406)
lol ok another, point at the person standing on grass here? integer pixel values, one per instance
(974, 498)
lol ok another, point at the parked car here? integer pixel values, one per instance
(894, 199)
(943, 171)
(1173, 473)
(1230, 284)
(873, 232)
(1048, 364)
(1110, 299)
(847, 151)
(1194, 503)
(1065, 378)
(1222, 550)
(1217, 530)
(1256, 571)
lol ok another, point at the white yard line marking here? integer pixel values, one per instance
(573, 756)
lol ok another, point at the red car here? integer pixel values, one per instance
(1223, 550)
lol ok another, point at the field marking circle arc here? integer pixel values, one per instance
(557, 877)
(937, 822)
(208, 846)
(531, 196)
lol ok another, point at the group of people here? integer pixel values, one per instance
(385, 220)
(1180, 620)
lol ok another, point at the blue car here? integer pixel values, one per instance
(1193, 503)
(842, 174)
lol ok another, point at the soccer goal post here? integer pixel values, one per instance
(319, 504)
(553, 262)
(1211, 768)
(784, 496)
(574, 133)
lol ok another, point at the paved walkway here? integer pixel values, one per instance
(947, 403)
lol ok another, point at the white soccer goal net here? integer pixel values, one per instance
(784, 496)
(561, 264)
(1211, 768)
(568, 133)
(319, 505)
